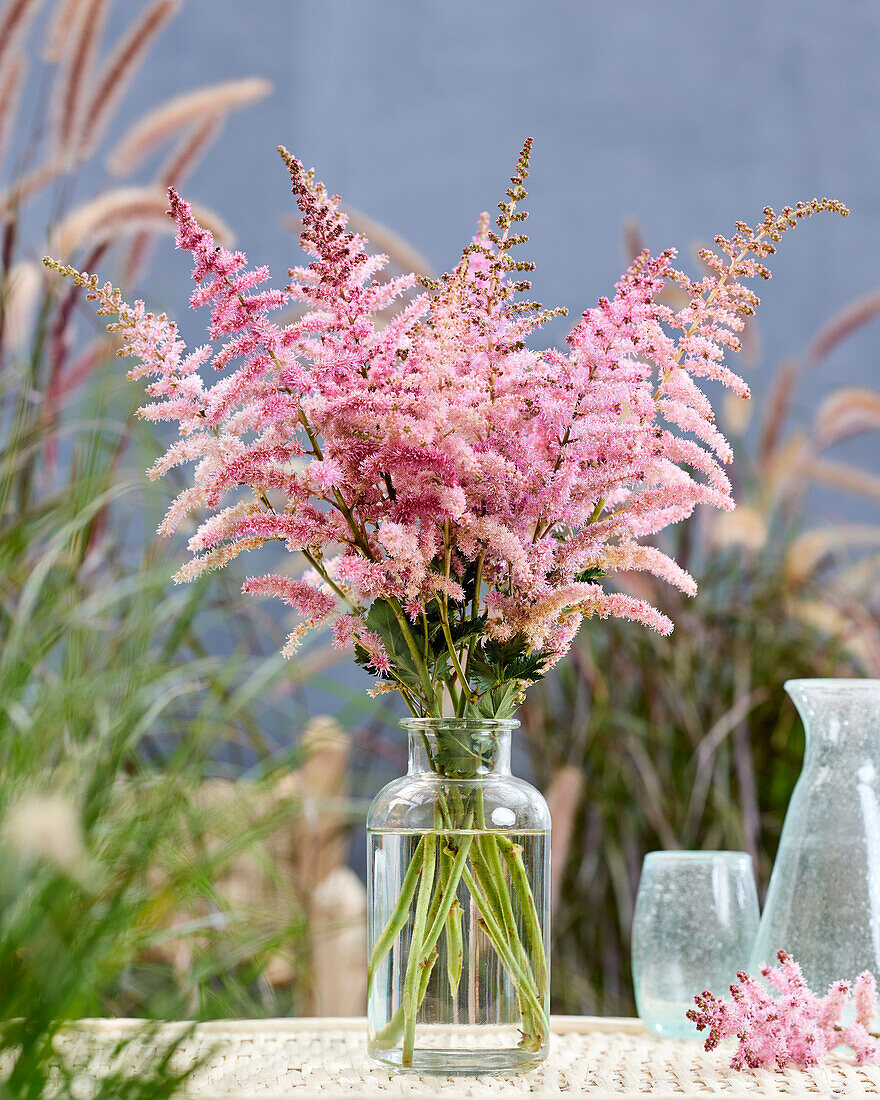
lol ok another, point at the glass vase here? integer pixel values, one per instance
(694, 925)
(823, 902)
(458, 869)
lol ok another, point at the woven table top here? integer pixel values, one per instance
(327, 1058)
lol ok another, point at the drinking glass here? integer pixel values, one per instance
(696, 919)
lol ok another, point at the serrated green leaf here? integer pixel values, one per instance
(590, 575)
(495, 663)
(500, 702)
(470, 628)
(381, 618)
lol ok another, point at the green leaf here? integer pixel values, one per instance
(462, 631)
(381, 618)
(436, 641)
(468, 582)
(494, 663)
(500, 672)
(463, 752)
(591, 575)
(500, 702)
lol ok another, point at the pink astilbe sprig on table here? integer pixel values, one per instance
(783, 1023)
(460, 499)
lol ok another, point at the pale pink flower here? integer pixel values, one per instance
(408, 459)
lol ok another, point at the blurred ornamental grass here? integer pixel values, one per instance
(120, 891)
(643, 742)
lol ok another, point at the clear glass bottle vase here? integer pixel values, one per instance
(458, 879)
(823, 902)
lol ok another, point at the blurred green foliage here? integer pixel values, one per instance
(119, 695)
(112, 713)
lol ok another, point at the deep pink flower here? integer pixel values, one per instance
(783, 1023)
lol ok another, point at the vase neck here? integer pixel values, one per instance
(459, 748)
(843, 714)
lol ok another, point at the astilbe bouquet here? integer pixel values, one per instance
(458, 497)
(783, 1023)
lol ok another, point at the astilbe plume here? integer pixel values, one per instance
(784, 1023)
(435, 464)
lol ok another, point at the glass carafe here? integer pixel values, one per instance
(823, 903)
(458, 867)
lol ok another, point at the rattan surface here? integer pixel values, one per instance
(327, 1058)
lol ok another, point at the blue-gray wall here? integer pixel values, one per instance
(687, 115)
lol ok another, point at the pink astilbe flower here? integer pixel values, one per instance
(313, 604)
(784, 1023)
(434, 463)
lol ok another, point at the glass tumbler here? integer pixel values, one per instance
(695, 922)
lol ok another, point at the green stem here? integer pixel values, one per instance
(512, 854)
(440, 880)
(456, 664)
(489, 873)
(319, 569)
(416, 654)
(390, 1034)
(449, 891)
(453, 695)
(489, 852)
(454, 947)
(496, 873)
(488, 849)
(478, 580)
(442, 905)
(497, 896)
(531, 1010)
(489, 906)
(400, 915)
(411, 980)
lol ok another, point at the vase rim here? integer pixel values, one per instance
(696, 854)
(501, 724)
(841, 683)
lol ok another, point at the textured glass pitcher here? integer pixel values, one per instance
(458, 868)
(823, 903)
